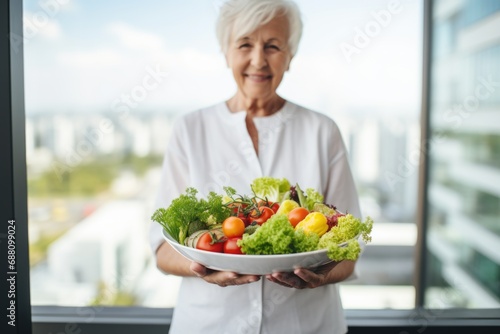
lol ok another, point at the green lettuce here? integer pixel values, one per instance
(305, 242)
(275, 236)
(313, 197)
(271, 188)
(347, 230)
(349, 252)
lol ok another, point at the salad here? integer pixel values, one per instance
(277, 218)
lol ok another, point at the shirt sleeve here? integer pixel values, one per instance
(174, 179)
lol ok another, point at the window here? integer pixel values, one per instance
(100, 102)
(463, 267)
(443, 234)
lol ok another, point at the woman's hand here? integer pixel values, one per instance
(332, 272)
(221, 278)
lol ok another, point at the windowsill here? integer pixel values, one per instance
(355, 318)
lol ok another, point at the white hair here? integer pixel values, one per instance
(245, 16)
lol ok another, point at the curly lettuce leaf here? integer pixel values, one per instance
(276, 236)
(305, 242)
(349, 252)
(271, 188)
(347, 230)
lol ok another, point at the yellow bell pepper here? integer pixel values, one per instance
(314, 222)
(287, 206)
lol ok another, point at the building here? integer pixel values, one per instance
(464, 171)
(108, 248)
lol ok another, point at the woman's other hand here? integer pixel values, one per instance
(221, 278)
(332, 272)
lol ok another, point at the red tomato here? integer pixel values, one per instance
(275, 207)
(261, 203)
(265, 214)
(237, 208)
(297, 215)
(244, 218)
(231, 246)
(233, 227)
(209, 242)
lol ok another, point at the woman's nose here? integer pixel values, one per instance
(258, 58)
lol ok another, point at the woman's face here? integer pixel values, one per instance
(259, 60)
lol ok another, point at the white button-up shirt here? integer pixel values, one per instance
(211, 148)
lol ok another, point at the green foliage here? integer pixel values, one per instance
(82, 180)
(139, 165)
(176, 218)
(186, 209)
(88, 178)
(214, 210)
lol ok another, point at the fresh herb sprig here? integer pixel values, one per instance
(188, 208)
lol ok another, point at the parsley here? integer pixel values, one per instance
(188, 208)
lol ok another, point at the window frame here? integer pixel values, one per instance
(129, 320)
(13, 202)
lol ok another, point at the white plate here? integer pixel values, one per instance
(251, 264)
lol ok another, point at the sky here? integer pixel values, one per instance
(83, 55)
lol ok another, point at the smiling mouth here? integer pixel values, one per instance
(258, 77)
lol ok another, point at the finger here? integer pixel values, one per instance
(274, 280)
(224, 278)
(240, 280)
(245, 279)
(308, 276)
(290, 279)
(198, 269)
(326, 267)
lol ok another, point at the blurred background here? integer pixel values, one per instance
(105, 80)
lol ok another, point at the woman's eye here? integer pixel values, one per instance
(246, 45)
(274, 47)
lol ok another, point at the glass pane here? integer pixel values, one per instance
(463, 268)
(105, 80)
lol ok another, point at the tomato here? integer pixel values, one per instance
(297, 215)
(245, 219)
(233, 227)
(210, 242)
(237, 208)
(275, 207)
(265, 214)
(231, 246)
(262, 203)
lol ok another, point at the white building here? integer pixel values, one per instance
(109, 247)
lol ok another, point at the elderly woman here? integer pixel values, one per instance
(256, 133)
